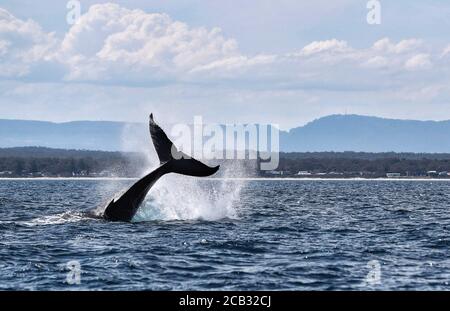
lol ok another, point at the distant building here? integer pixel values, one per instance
(393, 175)
(275, 173)
(303, 173)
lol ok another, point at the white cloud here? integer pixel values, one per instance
(419, 61)
(22, 44)
(386, 46)
(334, 46)
(109, 40)
(376, 62)
(396, 57)
(236, 64)
(4, 47)
(446, 51)
(112, 44)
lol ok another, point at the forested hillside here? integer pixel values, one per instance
(46, 162)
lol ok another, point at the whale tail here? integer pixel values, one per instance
(174, 160)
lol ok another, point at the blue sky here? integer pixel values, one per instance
(284, 62)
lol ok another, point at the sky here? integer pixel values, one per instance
(283, 62)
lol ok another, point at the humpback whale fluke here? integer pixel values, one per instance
(178, 161)
(171, 161)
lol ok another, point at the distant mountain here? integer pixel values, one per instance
(369, 134)
(332, 133)
(89, 135)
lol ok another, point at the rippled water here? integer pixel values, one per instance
(270, 235)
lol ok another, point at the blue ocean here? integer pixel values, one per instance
(227, 235)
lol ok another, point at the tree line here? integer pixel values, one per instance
(377, 167)
(41, 162)
(46, 162)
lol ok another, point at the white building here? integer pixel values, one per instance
(303, 173)
(393, 175)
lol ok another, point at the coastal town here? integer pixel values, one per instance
(38, 162)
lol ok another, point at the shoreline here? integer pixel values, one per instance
(226, 179)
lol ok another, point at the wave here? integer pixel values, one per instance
(186, 198)
(56, 219)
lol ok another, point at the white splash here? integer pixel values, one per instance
(185, 198)
(177, 197)
(57, 219)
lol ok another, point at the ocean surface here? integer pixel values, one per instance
(227, 235)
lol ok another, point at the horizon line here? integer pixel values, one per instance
(286, 130)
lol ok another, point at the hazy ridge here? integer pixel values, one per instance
(332, 133)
